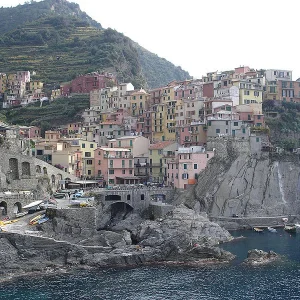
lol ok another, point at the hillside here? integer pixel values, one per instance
(59, 46)
(13, 17)
(59, 112)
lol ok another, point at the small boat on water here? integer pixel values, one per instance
(291, 229)
(256, 229)
(272, 229)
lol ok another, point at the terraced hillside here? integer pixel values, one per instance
(59, 47)
(59, 112)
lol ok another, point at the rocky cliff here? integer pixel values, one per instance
(66, 243)
(248, 184)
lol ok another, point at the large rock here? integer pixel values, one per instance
(260, 257)
(181, 230)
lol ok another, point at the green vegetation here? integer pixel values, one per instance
(13, 17)
(53, 114)
(284, 124)
(58, 41)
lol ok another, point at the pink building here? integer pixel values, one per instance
(185, 168)
(115, 166)
(31, 132)
(88, 82)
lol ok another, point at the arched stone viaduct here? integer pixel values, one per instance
(23, 173)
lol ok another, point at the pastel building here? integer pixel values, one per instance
(115, 166)
(183, 170)
(158, 155)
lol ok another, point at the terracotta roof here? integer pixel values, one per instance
(161, 145)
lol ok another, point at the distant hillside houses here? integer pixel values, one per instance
(131, 135)
(18, 89)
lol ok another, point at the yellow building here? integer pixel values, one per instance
(250, 92)
(158, 154)
(158, 116)
(169, 130)
(3, 83)
(87, 149)
(139, 102)
(55, 94)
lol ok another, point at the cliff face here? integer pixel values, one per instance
(249, 185)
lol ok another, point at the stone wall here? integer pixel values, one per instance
(73, 222)
(139, 199)
(22, 172)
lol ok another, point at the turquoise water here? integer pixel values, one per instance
(234, 281)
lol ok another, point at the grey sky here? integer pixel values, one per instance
(203, 36)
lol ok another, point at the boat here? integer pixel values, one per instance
(291, 229)
(272, 229)
(33, 206)
(256, 229)
(43, 220)
(35, 220)
(21, 214)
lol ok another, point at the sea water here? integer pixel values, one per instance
(229, 281)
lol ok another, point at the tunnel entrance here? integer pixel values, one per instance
(3, 208)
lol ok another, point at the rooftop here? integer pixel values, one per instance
(161, 145)
(114, 149)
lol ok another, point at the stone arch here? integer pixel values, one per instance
(17, 207)
(45, 171)
(3, 208)
(112, 198)
(38, 169)
(120, 206)
(53, 179)
(14, 168)
(26, 168)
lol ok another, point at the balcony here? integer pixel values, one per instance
(141, 165)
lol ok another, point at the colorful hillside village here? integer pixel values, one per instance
(132, 135)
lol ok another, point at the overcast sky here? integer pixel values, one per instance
(203, 36)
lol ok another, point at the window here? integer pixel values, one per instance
(244, 130)
(130, 172)
(257, 139)
(185, 176)
(258, 117)
(130, 163)
(256, 93)
(217, 130)
(111, 172)
(123, 163)
(89, 162)
(235, 123)
(141, 97)
(87, 154)
(184, 166)
(150, 152)
(89, 172)
(246, 93)
(123, 172)
(209, 123)
(99, 162)
(83, 145)
(130, 143)
(142, 197)
(92, 146)
(195, 166)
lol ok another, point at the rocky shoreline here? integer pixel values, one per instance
(182, 237)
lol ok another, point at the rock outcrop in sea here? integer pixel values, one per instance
(181, 236)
